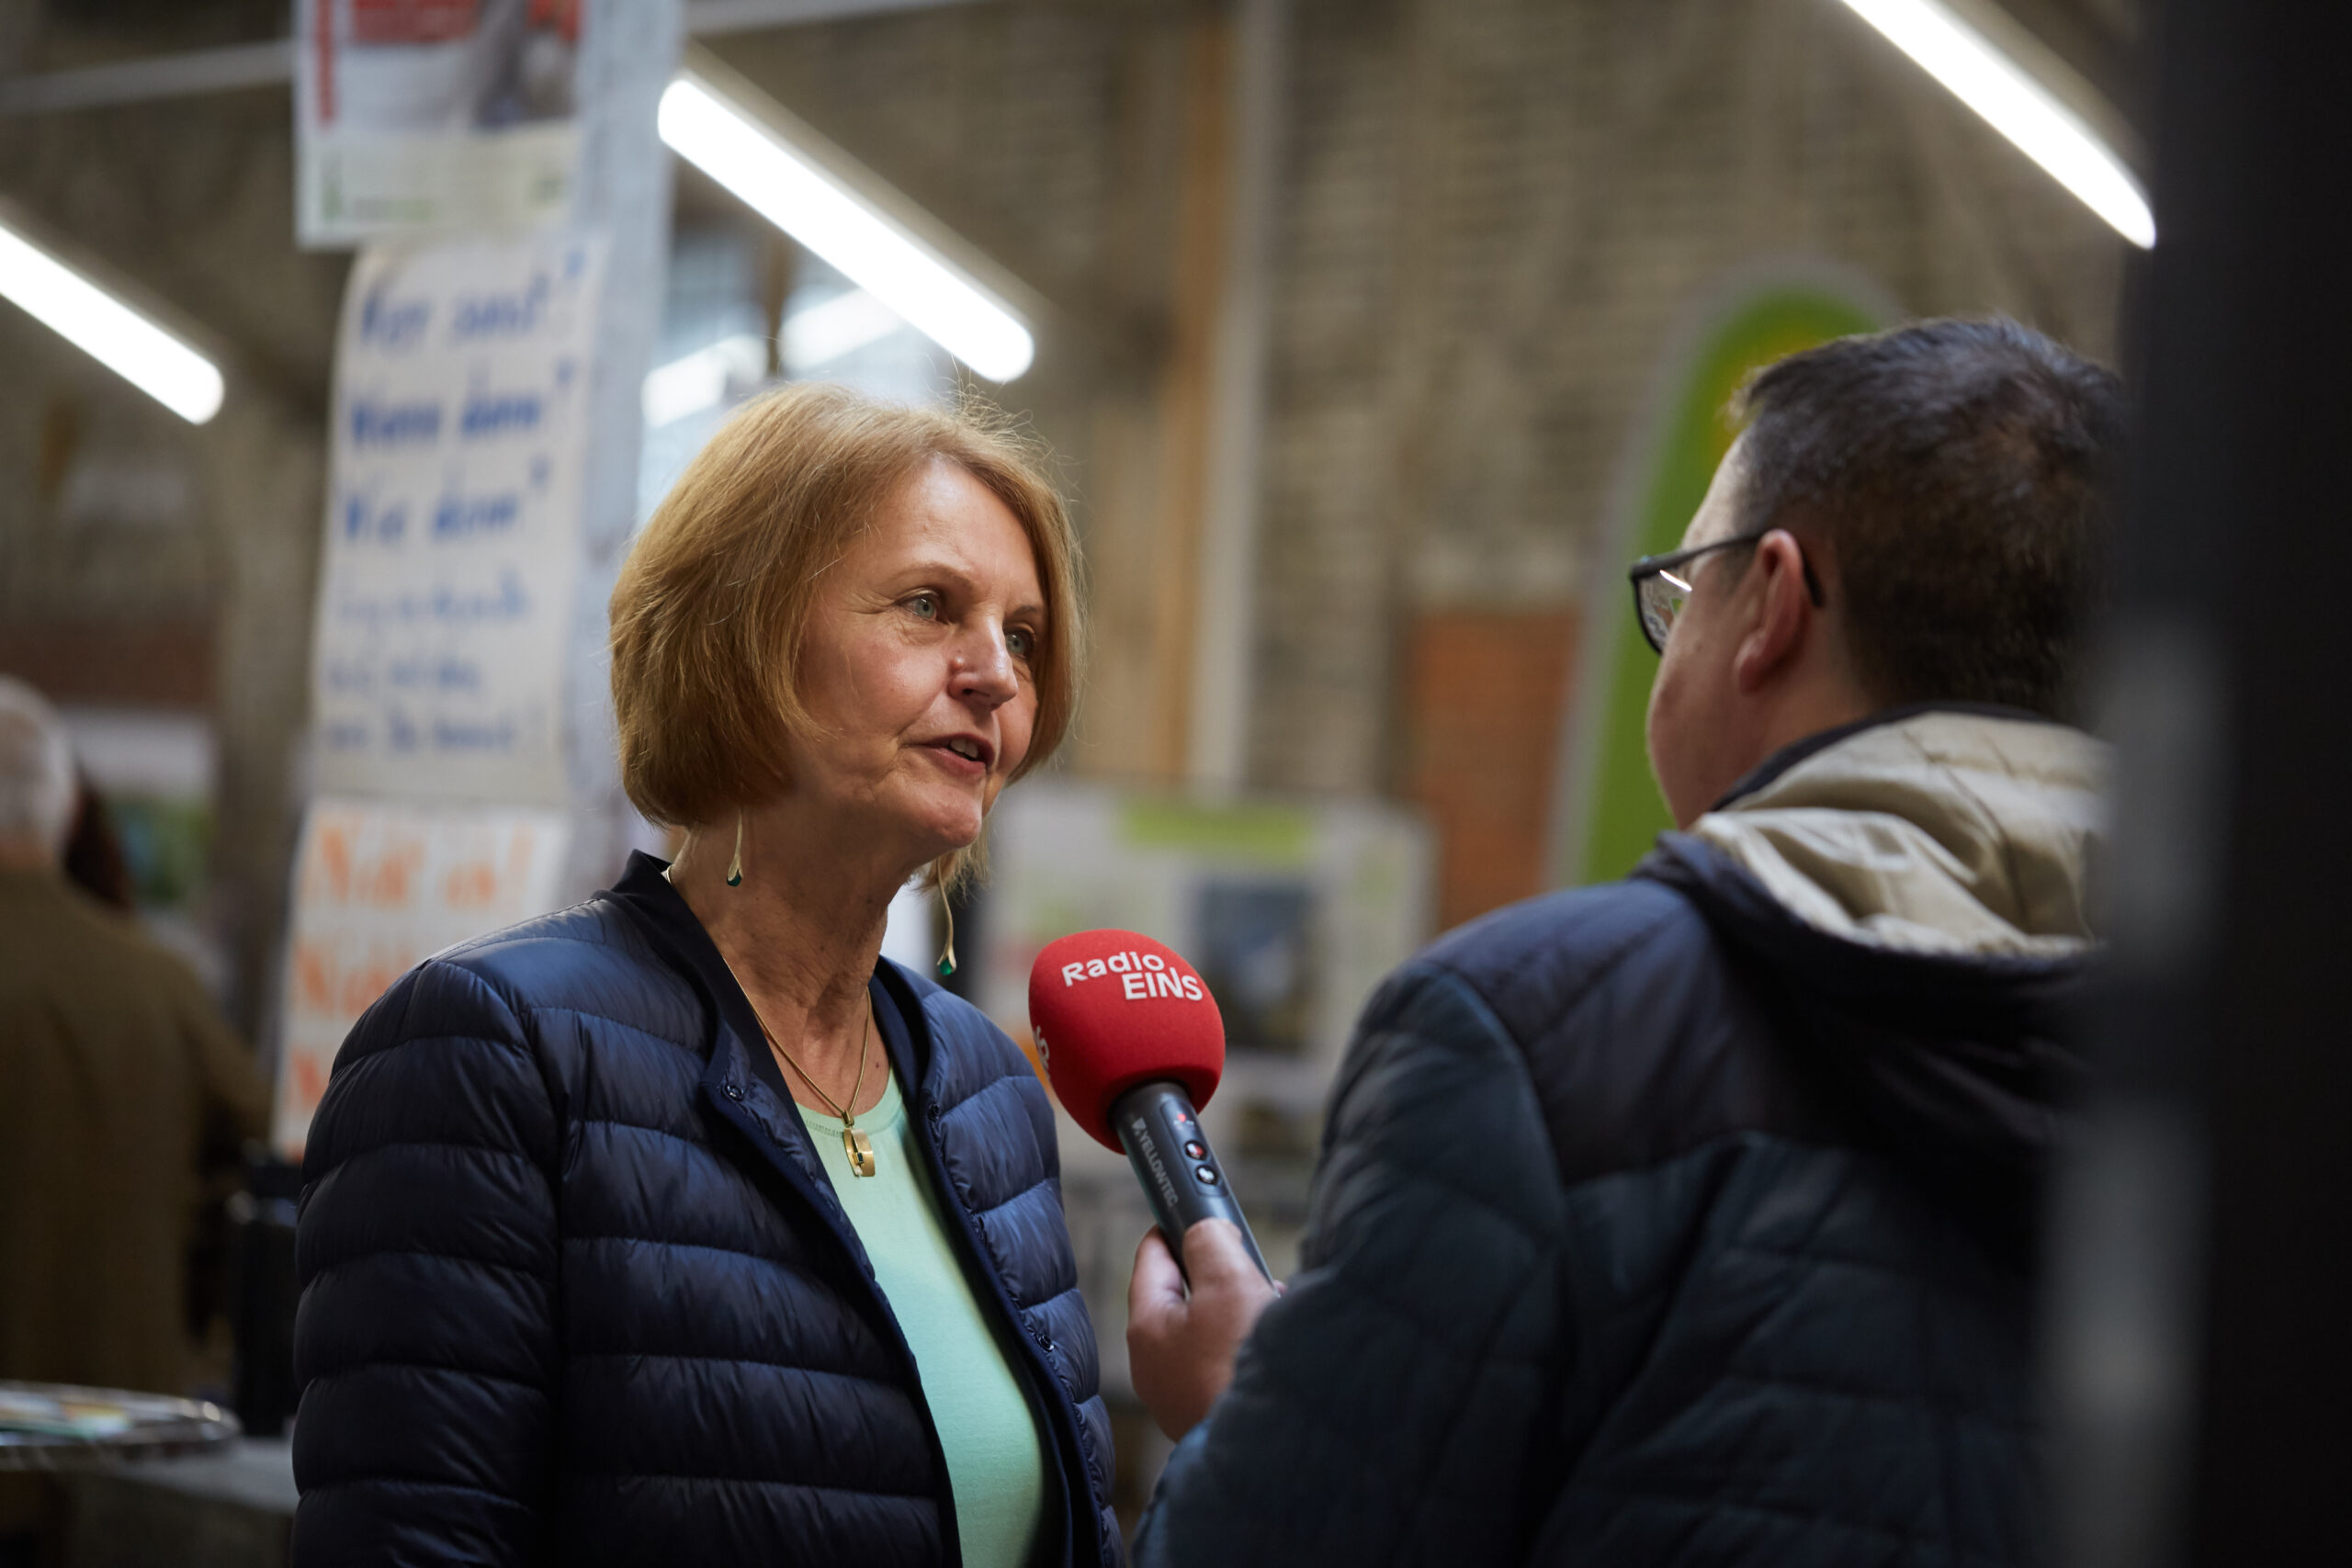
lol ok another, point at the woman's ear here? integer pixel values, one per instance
(1782, 613)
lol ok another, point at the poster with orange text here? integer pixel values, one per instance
(378, 888)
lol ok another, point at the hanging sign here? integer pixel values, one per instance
(426, 116)
(452, 551)
(378, 888)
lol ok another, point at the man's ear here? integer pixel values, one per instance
(1781, 618)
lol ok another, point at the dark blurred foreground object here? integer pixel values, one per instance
(94, 859)
(263, 1290)
(2202, 1327)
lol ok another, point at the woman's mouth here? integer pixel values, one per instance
(967, 755)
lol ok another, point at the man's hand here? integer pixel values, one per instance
(1180, 1346)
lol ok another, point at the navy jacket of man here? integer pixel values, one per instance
(1690, 1219)
(576, 1289)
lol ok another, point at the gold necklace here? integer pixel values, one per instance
(854, 1143)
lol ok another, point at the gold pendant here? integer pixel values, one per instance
(860, 1150)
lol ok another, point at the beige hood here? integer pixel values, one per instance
(1946, 831)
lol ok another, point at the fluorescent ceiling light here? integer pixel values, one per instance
(843, 324)
(702, 379)
(2018, 106)
(792, 192)
(108, 331)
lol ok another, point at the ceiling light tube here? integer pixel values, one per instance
(2017, 106)
(791, 191)
(108, 331)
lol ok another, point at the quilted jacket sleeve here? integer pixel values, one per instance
(426, 1344)
(1390, 1407)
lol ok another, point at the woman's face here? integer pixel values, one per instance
(918, 668)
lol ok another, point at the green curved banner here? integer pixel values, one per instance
(1615, 810)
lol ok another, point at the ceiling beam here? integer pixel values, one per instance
(709, 18)
(158, 76)
(245, 66)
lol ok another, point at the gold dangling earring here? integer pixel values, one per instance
(947, 953)
(735, 866)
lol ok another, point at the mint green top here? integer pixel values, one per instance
(995, 1461)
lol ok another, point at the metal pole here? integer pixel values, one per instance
(632, 47)
(1225, 613)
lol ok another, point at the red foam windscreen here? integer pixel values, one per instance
(1111, 1009)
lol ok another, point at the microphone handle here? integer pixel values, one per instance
(1182, 1179)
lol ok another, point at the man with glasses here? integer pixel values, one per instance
(1693, 1218)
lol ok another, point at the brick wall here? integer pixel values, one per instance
(1496, 213)
(1500, 211)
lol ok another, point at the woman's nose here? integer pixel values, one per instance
(984, 667)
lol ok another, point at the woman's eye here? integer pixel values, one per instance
(925, 604)
(1021, 641)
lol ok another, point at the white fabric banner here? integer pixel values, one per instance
(378, 888)
(453, 526)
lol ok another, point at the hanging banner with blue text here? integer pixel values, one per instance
(453, 521)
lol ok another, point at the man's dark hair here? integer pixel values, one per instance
(1960, 474)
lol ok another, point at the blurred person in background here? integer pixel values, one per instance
(679, 1226)
(123, 1096)
(94, 861)
(1693, 1219)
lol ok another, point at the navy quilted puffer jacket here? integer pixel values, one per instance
(1689, 1220)
(576, 1289)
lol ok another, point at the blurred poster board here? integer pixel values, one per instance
(1292, 911)
(153, 769)
(378, 888)
(422, 116)
(453, 520)
(1606, 810)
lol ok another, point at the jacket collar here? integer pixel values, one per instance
(1788, 756)
(1935, 829)
(645, 888)
(733, 1084)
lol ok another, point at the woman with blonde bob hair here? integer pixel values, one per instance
(680, 1225)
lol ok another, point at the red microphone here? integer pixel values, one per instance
(1133, 1044)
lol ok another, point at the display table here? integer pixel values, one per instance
(47, 1425)
(142, 1479)
(230, 1507)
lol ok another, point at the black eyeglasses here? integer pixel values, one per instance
(1661, 587)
